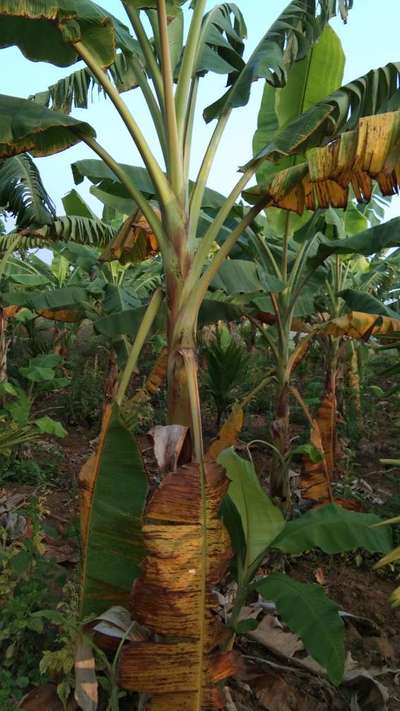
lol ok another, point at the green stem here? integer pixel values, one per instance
(188, 66)
(262, 246)
(282, 327)
(213, 231)
(6, 256)
(285, 253)
(151, 62)
(264, 332)
(298, 286)
(175, 157)
(135, 194)
(155, 113)
(143, 332)
(240, 600)
(203, 175)
(190, 361)
(261, 385)
(159, 180)
(187, 144)
(223, 252)
(297, 266)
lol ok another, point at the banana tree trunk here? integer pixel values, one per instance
(181, 335)
(179, 410)
(4, 343)
(279, 483)
(279, 480)
(354, 386)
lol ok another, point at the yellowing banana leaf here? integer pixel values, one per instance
(353, 381)
(360, 325)
(355, 324)
(10, 311)
(113, 488)
(158, 373)
(299, 352)
(134, 242)
(356, 158)
(133, 407)
(316, 477)
(391, 557)
(315, 480)
(86, 684)
(188, 551)
(65, 315)
(228, 434)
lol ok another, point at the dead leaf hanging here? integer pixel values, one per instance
(133, 407)
(188, 553)
(135, 241)
(228, 434)
(316, 477)
(356, 158)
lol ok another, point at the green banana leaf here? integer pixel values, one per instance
(368, 242)
(45, 31)
(22, 192)
(309, 613)
(299, 26)
(362, 301)
(310, 80)
(113, 493)
(80, 230)
(77, 89)
(239, 276)
(26, 126)
(261, 520)
(333, 529)
(63, 298)
(224, 31)
(101, 176)
(370, 94)
(74, 205)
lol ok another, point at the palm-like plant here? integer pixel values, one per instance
(215, 42)
(167, 65)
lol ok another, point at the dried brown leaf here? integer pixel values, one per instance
(271, 635)
(187, 555)
(228, 434)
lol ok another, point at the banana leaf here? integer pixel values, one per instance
(323, 180)
(298, 27)
(45, 30)
(188, 552)
(113, 489)
(371, 94)
(28, 127)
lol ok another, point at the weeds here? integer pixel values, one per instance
(27, 604)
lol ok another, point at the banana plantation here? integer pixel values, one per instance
(199, 388)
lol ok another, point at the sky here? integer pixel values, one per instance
(370, 39)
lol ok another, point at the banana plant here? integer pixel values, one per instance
(352, 282)
(323, 263)
(257, 527)
(214, 42)
(167, 65)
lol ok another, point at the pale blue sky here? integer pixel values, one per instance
(370, 39)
